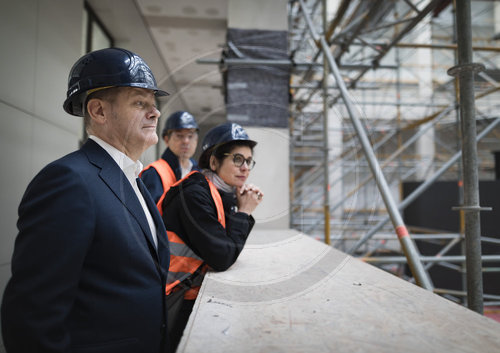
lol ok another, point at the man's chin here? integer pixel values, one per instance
(185, 155)
(151, 140)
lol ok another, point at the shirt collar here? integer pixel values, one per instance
(129, 167)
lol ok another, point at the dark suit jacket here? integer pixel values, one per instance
(86, 276)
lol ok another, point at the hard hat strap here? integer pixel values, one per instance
(90, 91)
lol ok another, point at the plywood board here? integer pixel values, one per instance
(290, 293)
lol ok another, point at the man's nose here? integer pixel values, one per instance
(154, 113)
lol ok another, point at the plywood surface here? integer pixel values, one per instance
(290, 293)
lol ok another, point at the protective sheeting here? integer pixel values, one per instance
(256, 94)
(290, 293)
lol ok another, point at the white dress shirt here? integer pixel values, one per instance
(185, 171)
(131, 170)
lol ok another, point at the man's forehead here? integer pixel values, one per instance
(180, 131)
(138, 91)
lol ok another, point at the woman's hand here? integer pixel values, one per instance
(249, 196)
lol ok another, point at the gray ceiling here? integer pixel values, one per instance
(171, 35)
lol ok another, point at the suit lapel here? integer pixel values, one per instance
(163, 248)
(116, 180)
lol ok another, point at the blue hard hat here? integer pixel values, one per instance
(110, 67)
(179, 120)
(220, 135)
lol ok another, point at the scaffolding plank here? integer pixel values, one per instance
(290, 293)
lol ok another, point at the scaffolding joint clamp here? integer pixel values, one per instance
(462, 68)
(471, 208)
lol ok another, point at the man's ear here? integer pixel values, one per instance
(95, 108)
(165, 138)
(213, 163)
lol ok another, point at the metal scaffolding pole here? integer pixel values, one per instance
(282, 62)
(409, 248)
(326, 195)
(465, 72)
(445, 46)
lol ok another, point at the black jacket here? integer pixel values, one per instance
(189, 210)
(152, 179)
(86, 276)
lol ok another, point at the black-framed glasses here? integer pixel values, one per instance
(239, 159)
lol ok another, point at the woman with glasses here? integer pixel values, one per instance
(208, 218)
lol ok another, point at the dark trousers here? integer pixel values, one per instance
(177, 324)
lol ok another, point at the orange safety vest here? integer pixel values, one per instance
(167, 177)
(183, 261)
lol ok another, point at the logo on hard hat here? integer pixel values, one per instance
(238, 132)
(186, 118)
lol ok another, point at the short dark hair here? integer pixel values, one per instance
(219, 152)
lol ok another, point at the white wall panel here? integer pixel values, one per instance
(50, 143)
(15, 154)
(18, 21)
(4, 276)
(40, 40)
(58, 47)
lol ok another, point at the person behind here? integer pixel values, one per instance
(91, 257)
(181, 137)
(208, 215)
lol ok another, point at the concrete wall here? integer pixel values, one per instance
(40, 41)
(271, 175)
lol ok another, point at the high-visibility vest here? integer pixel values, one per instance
(183, 261)
(167, 177)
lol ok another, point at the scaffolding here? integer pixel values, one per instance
(379, 105)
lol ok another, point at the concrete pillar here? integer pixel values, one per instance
(272, 152)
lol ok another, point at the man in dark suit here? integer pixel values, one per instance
(91, 257)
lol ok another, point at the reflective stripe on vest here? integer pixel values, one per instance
(183, 264)
(183, 261)
(167, 177)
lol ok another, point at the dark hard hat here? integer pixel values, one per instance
(111, 67)
(220, 135)
(179, 120)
